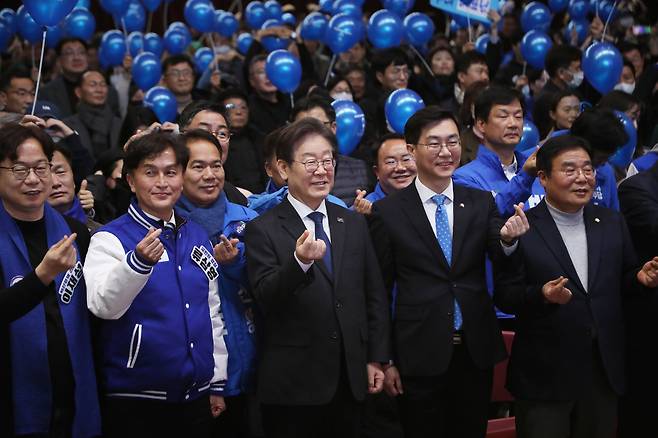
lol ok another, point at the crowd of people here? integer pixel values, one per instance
(232, 274)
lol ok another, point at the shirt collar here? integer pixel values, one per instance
(426, 193)
(304, 210)
(459, 94)
(172, 219)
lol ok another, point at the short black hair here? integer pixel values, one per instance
(383, 139)
(176, 59)
(554, 146)
(201, 135)
(14, 71)
(270, 145)
(231, 93)
(196, 107)
(261, 57)
(107, 161)
(468, 59)
(60, 44)
(438, 49)
(383, 58)
(68, 156)
(291, 137)
(423, 119)
(308, 103)
(627, 46)
(152, 145)
(630, 65)
(350, 67)
(12, 135)
(495, 95)
(601, 128)
(619, 100)
(561, 56)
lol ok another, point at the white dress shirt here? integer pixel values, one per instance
(303, 211)
(430, 206)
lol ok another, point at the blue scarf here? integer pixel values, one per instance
(211, 218)
(32, 392)
(76, 211)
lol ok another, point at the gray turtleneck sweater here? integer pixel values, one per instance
(572, 229)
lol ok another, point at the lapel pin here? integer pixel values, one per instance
(340, 219)
(597, 220)
(461, 204)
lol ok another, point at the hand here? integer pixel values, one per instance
(521, 81)
(59, 127)
(170, 127)
(555, 292)
(516, 226)
(226, 251)
(29, 120)
(392, 382)
(217, 405)
(362, 205)
(468, 47)
(530, 165)
(85, 196)
(59, 258)
(216, 79)
(150, 249)
(648, 275)
(154, 126)
(494, 17)
(375, 378)
(309, 249)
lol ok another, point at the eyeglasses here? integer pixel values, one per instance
(312, 165)
(180, 73)
(221, 134)
(399, 71)
(72, 53)
(21, 171)
(232, 106)
(574, 172)
(435, 146)
(404, 161)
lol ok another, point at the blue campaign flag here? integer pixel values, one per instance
(473, 9)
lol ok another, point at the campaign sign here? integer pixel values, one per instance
(473, 9)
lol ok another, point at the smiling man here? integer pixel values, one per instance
(395, 168)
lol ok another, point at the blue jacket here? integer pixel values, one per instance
(265, 201)
(645, 161)
(605, 191)
(377, 194)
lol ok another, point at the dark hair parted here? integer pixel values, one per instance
(554, 146)
(468, 59)
(14, 71)
(495, 95)
(561, 56)
(383, 58)
(424, 119)
(176, 59)
(12, 135)
(601, 128)
(196, 107)
(150, 146)
(270, 144)
(306, 104)
(293, 135)
(201, 135)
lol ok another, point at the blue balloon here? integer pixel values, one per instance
(273, 9)
(243, 42)
(200, 14)
(151, 5)
(146, 70)
(135, 42)
(176, 40)
(400, 105)
(481, 43)
(385, 29)
(134, 18)
(624, 155)
(399, 7)
(534, 47)
(226, 24)
(178, 25)
(314, 26)
(255, 14)
(343, 32)
(162, 102)
(27, 28)
(283, 70)
(288, 19)
(529, 137)
(602, 64)
(113, 45)
(578, 9)
(6, 36)
(272, 43)
(8, 16)
(558, 5)
(347, 7)
(350, 125)
(327, 6)
(202, 59)
(419, 28)
(153, 44)
(50, 12)
(582, 28)
(80, 24)
(606, 9)
(535, 16)
(54, 34)
(84, 4)
(115, 7)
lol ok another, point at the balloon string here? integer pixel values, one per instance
(525, 64)
(212, 44)
(447, 31)
(470, 32)
(33, 57)
(292, 101)
(36, 90)
(164, 17)
(605, 28)
(150, 22)
(422, 60)
(123, 25)
(331, 67)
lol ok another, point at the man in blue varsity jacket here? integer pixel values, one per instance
(152, 278)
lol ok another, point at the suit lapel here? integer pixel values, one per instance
(337, 227)
(462, 211)
(544, 224)
(594, 231)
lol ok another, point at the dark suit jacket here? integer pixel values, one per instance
(55, 92)
(76, 124)
(551, 356)
(308, 316)
(411, 259)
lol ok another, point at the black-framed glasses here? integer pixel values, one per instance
(312, 165)
(404, 161)
(21, 171)
(435, 146)
(574, 172)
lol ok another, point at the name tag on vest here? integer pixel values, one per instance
(69, 282)
(202, 257)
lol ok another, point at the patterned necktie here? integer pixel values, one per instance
(317, 217)
(444, 236)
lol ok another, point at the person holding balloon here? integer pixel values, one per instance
(269, 109)
(178, 77)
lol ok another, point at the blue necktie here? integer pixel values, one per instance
(444, 236)
(317, 217)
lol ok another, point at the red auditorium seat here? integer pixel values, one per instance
(502, 427)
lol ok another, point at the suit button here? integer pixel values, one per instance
(339, 304)
(334, 336)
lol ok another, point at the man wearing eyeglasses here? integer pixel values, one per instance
(431, 239)
(315, 278)
(565, 284)
(16, 91)
(178, 77)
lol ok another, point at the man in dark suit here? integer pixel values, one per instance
(315, 278)
(638, 197)
(431, 239)
(564, 285)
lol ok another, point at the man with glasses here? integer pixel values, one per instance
(315, 278)
(269, 109)
(431, 239)
(178, 77)
(395, 167)
(16, 90)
